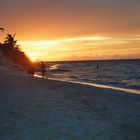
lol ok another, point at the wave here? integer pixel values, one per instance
(128, 90)
(123, 74)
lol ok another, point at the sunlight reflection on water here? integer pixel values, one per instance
(95, 85)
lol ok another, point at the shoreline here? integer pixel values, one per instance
(34, 108)
(127, 90)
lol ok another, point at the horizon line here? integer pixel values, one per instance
(127, 59)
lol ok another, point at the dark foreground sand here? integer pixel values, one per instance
(38, 109)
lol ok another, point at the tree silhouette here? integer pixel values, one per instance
(11, 50)
(10, 41)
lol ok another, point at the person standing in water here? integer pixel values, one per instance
(97, 66)
(43, 69)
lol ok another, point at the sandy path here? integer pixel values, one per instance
(36, 109)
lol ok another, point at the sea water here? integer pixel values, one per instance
(118, 73)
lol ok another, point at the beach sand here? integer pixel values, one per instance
(38, 109)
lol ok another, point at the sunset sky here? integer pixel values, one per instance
(73, 29)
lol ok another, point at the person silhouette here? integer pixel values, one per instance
(97, 66)
(43, 69)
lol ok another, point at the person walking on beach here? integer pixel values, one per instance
(43, 69)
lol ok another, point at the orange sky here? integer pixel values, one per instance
(84, 48)
(74, 30)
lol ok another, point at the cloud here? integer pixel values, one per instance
(85, 48)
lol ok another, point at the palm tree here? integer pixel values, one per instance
(10, 42)
(11, 50)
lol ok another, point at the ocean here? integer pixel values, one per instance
(117, 73)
